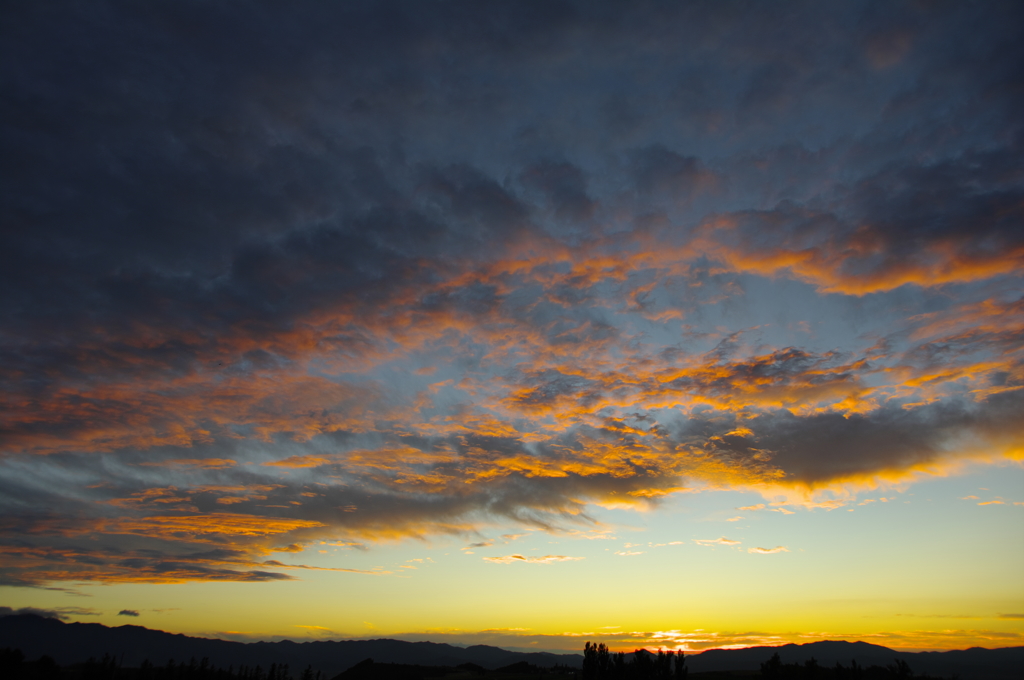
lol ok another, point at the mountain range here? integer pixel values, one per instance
(69, 643)
(976, 663)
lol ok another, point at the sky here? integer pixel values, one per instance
(667, 324)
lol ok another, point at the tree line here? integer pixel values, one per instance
(812, 670)
(599, 663)
(13, 666)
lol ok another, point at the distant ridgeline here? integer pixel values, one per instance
(13, 666)
(36, 648)
(601, 664)
(598, 664)
(73, 643)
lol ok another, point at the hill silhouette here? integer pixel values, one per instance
(74, 643)
(969, 664)
(70, 643)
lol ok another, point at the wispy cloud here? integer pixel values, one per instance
(62, 613)
(318, 630)
(546, 559)
(716, 541)
(768, 551)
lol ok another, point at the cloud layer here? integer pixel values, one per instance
(358, 273)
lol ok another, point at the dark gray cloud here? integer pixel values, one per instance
(46, 613)
(230, 150)
(128, 612)
(563, 187)
(819, 448)
(61, 613)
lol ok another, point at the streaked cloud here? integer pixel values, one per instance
(61, 613)
(516, 559)
(716, 541)
(768, 551)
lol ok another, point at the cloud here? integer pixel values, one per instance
(128, 612)
(206, 463)
(318, 630)
(768, 551)
(220, 523)
(546, 559)
(60, 613)
(45, 613)
(716, 541)
(563, 187)
(309, 302)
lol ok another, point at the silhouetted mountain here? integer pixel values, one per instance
(70, 643)
(969, 664)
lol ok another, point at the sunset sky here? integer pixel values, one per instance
(680, 324)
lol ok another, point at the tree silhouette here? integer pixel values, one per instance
(10, 662)
(772, 668)
(600, 664)
(899, 670)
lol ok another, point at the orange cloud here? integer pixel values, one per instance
(216, 523)
(203, 463)
(546, 559)
(716, 541)
(853, 264)
(183, 412)
(579, 408)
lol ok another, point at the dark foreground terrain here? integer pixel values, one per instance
(71, 643)
(36, 648)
